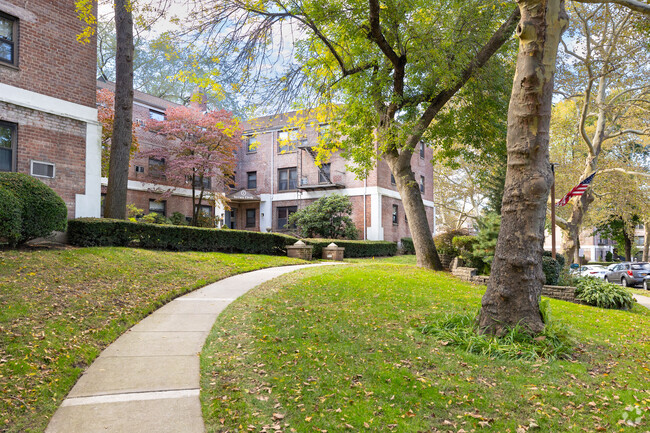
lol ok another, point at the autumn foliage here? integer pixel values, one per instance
(201, 146)
(106, 116)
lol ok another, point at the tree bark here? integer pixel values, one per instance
(574, 224)
(646, 240)
(118, 172)
(628, 246)
(409, 190)
(512, 296)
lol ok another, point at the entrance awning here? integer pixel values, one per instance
(242, 196)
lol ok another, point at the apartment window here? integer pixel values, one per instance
(159, 207)
(139, 169)
(8, 39)
(102, 204)
(288, 140)
(231, 180)
(250, 217)
(42, 169)
(324, 173)
(395, 215)
(287, 179)
(251, 144)
(7, 146)
(251, 180)
(392, 179)
(205, 181)
(422, 149)
(324, 134)
(283, 216)
(421, 183)
(156, 115)
(205, 210)
(157, 168)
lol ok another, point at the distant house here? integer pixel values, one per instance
(48, 115)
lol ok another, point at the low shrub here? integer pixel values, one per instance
(178, 219)
(551, 268)
(407, 246)
(465, 246)
(559, 257)
(566, 278)
(599, 293)
(354, 249)
(553, 343)
(41, 209)
(444, 242)
(106, 232)
(10, 217)
(609, 256)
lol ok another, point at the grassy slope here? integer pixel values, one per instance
(59, 309)
(338, 350)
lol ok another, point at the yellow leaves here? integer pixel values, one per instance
(84, 10)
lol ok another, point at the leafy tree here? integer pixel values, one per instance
(106, 116)
(393, 66)
(605, 86)
(328, 217)
(621, 230)
(201, 146)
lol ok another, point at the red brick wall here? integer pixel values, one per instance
(50, 60)
(57, 140)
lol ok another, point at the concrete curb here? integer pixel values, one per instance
(148, 379)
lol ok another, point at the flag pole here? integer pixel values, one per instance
(553, 211)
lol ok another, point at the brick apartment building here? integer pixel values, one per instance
(48, 116)
(146, 180)
(277, 175)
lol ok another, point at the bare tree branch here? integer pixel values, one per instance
(635, 5)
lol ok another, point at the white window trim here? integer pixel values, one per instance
(31, 169)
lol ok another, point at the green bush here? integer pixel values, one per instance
(609, 256)
(328, 217)
(465, 246)
(42, 210)
(551, 268)
(178, 219)
(599, 293)
(559, 257)
(105, 232)
(444, 242)
(10, 217)
(354, 248)
(407, 245)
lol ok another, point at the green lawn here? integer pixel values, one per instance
(339, 349)
(60, 308)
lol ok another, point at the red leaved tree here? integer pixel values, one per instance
(106, 116)
(200, 146)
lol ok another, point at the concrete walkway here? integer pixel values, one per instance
(642, 300)
(148, 380)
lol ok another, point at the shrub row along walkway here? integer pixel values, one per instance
(148, 379)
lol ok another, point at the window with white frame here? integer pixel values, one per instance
(159, 207)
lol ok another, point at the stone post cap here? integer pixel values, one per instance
(332, 245)
(300, 244)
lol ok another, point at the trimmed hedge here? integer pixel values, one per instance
(41, 209)
(354, 249)
(407, 245)
(87, 232)
(551, 268)
(10, 217)
(559, 257)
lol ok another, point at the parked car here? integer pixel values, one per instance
(629, 274)
(646, 283)
(595, 271)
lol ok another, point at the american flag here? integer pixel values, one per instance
(577, 191)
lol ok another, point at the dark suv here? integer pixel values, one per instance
(629, 274)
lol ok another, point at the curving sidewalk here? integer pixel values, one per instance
(148, 379)
(642, 300)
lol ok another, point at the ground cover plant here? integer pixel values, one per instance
(341, 349)
(60, 308)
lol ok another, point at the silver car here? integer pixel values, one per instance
(629, 274)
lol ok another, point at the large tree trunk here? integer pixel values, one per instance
(118, 171)
(516, 280)
(409, 190)
(574, 225)
(628, 246)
